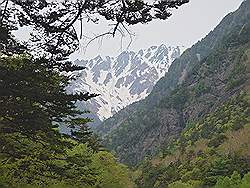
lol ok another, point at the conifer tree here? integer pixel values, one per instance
(33, 78)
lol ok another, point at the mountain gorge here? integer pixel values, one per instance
(205, 77)
(162, 119)
(121, 80)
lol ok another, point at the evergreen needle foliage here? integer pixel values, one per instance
(33, 99)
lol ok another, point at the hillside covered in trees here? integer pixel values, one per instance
(201, 80)
(192, 131)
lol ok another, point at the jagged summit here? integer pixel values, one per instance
(123, 79)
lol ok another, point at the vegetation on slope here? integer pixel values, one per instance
(213, 148)
(207, 152)
(198, 82)
(203, 86)
(201, 146)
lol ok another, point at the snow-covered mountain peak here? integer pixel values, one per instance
(122, 80)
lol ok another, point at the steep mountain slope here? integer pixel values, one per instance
(206, 153)
(122, 80)
(202, 79)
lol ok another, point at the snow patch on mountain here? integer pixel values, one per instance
(122, 80)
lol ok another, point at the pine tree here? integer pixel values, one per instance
(33, 99)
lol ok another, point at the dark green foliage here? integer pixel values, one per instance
(177, 99)
(200, 89)
(85, 135)
(33, 94)
(184, 160)
(33, 152)
(237, 76)
(217, 140)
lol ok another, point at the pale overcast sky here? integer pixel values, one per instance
(186, 26)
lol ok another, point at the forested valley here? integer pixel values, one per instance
(191, 131)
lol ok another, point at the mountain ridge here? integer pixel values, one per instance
(121, 80)
(141, 128)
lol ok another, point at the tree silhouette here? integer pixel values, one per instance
(55, 21)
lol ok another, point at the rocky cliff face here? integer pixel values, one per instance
(202, 79)
(121, 80)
